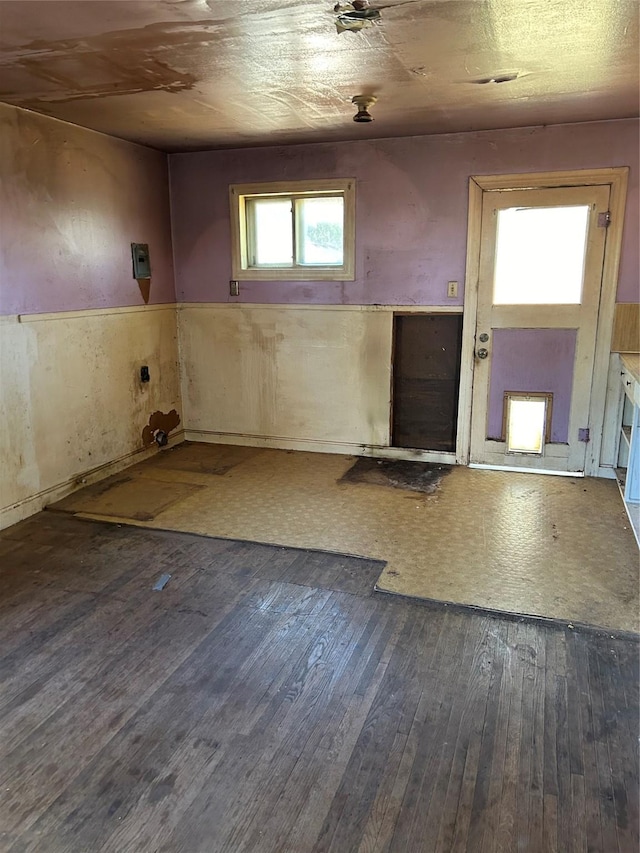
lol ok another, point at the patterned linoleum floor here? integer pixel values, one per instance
(524, 543)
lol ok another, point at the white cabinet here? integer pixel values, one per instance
(628, 468)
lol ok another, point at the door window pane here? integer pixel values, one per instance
(320, 230)
(272, 231)
(540, 254)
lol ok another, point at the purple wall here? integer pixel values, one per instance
(532, 360)
(411, 207)
(72, 202)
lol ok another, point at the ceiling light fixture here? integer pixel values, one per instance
(363, 102)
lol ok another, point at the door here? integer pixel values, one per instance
(540, 273)
(426, 378)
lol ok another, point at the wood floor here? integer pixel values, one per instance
(267, 700)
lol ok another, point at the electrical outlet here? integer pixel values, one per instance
(452, 289)
(234, 288)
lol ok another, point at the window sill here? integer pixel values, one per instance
(297, 274)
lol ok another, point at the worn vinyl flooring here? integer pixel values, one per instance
(267, 700)
(523, 543)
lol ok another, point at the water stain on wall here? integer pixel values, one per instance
(165, 422)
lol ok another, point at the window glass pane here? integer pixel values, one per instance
(320, 227)
(272, 232)
(526, 420)
(540, 255)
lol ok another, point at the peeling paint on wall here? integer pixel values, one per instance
(159, 422)
(145, 289)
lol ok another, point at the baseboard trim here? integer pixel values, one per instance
(606, 473)
(516, 470)
(407, 454)
(34, 503)
(313, 445)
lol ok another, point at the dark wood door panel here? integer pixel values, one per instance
(426, 376)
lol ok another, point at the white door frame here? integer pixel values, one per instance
(616, 179)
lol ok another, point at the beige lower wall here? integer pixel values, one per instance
(286, 372)
(73, 407)
(303, 377)
(71, 399)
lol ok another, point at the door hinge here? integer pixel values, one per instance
(583, 435)
(604, 219)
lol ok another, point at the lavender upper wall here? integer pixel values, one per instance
(72, 202)
(411, 207)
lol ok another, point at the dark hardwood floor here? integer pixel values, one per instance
(267, 700)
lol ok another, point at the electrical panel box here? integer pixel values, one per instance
(141, 262)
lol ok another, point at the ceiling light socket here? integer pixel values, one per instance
(363, 102)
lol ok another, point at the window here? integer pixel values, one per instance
(296, 231)
(540, 255)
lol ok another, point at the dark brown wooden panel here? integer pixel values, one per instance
(267, 701)
(426, 376)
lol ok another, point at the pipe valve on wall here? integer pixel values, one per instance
(160, 437)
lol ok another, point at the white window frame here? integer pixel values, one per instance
(241, 269)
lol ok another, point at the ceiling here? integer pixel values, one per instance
(194, 74)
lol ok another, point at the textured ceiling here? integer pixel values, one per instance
(195, 74)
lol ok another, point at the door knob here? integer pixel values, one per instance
(484, 337)
(482, 352)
